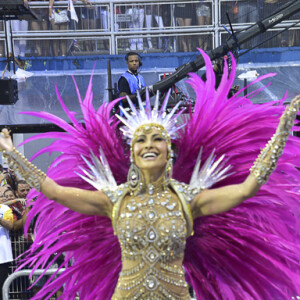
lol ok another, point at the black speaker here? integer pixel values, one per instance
(8, 91)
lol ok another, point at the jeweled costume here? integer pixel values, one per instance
(249, 252)
(152, 230)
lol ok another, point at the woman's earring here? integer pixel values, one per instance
(134, 177)
(168, 172)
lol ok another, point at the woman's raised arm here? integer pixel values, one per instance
(216, 201)
(220, 200)
(82, 201)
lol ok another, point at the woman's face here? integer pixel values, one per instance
(150, 151)
(9, 195)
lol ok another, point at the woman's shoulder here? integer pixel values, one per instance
(117, 193)
(185, 189)
(185, 196)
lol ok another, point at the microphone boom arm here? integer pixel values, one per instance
(233, 43)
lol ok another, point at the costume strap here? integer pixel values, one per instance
(267, 160)
(123, 190)
(181, 190)
(26, 169)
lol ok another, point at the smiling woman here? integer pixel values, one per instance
(151, 222)
(150, 153)
(150, 237)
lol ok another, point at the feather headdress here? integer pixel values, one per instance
(145, 116)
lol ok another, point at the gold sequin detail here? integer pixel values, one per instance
(267, 160)
(152, 231)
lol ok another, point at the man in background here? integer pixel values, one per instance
(22, 189)
(131, 81)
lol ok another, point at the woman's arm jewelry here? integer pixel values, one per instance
(267, 160)
(26, 169)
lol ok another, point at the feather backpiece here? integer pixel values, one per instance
(250, 252)
(92, 252)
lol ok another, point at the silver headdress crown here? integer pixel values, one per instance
(145, 115)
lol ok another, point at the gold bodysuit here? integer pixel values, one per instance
(152, 228)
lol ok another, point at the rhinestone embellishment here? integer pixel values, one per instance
(151, 201)
(151, 234)
(151, 216)
(131, 207)
(152, 256)
(151, 283)
(171, 206)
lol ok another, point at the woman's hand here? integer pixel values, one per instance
(296, 103)
(5, 140)
(22, 201)
(289, 115)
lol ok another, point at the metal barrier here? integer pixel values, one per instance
(20, 244)
(10, 278)
(116, 26)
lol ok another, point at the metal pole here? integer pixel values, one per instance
(109, 86)
(112, 29)
(7, 44)
(215, 22)
(245, 84)
(13, 276)
(12, 48)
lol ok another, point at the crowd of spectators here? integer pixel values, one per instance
(13, 213)
(13, 242)
(93, 16)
